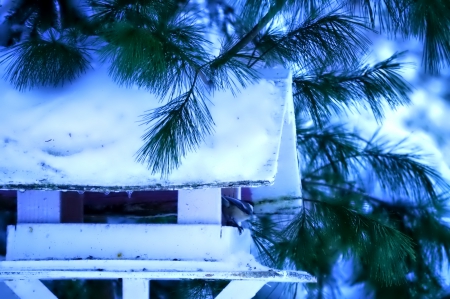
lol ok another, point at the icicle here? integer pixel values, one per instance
(80, 192)
(106, 192)
(129, 193)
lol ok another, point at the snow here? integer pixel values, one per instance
(287, 180)
(85, 135)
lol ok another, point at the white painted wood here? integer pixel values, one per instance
(236, 268)
(124, 241)
(30, 289)
(6, 292)
(135, 288)
(200, 206)
(287, 181)
(240, 289)
(38, 206)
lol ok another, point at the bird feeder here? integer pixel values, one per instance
(84, 136)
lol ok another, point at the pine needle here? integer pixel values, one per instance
(48, 60)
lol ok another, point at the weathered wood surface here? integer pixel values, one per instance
(135, 288)
(113, 269)
(30, 289)
(114, 241)
(239, 289)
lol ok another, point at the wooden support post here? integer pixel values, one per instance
(35, 206)
(240, 289)
(30, 289)
(135, 288)
(72, 207)
(200, 206)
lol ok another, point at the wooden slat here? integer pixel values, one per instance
(30, 289)
(137, 269)
(106, 241)
(239, 289)
(266, 276)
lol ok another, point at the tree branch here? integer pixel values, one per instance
(249, 36)
(362, 194)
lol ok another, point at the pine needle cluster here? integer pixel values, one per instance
(166, 47)
(375, 206)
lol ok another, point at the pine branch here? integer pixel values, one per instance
(325, 94)
(430, 22)
(232, 74)
(265, 237)
(138, 13)
(48, 60)
(330, 145)
(162, 56)
(403, 173)
(324, 38)
(387, 15)
(43, 15)
(223, 58)
(306, 245)
(176, 129)
(394, 169)
(431, 238)
(386, 248)
(28, 17)
(346, 190)
(419, 220)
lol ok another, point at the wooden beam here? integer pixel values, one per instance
(30, 289)
(135, 288)
(239, 289)
(105, 241)
(140, 269)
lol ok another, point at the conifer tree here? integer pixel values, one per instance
(373, 203)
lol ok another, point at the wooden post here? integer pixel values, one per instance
(72, 207)
(35, 206)
(200, 206)
(135, 288)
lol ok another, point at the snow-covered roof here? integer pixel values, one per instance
(84, 136)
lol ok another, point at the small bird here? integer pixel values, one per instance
(235, 211)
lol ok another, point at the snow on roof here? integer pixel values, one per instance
(84, 136)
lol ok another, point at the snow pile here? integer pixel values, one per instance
(85, 136)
